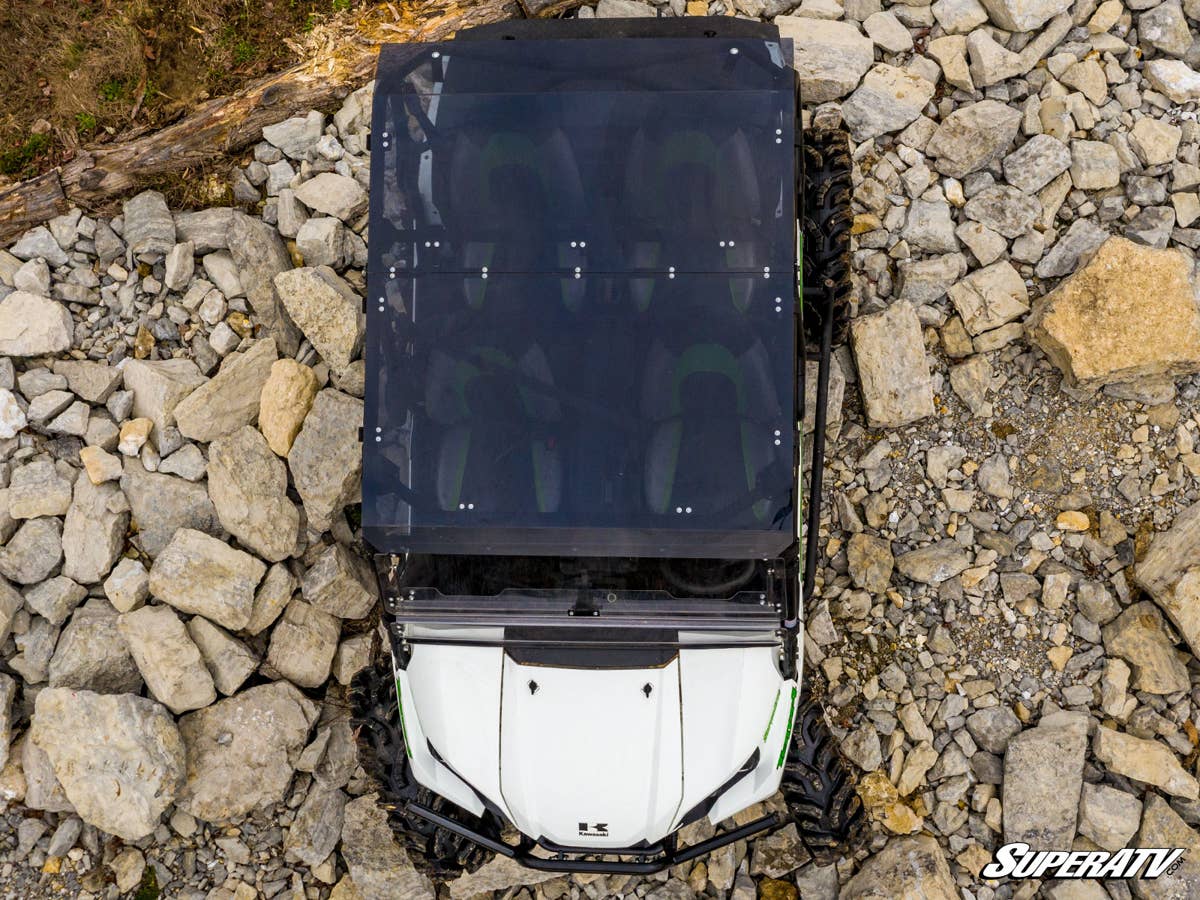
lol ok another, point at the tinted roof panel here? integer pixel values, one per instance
(581, 316)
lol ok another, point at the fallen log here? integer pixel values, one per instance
(227, 124)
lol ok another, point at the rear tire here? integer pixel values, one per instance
(819, 789)
(826, 221)
(376, 721)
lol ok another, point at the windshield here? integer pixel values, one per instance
(581, 300)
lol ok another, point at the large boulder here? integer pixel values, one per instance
(167, 658)
(1170, 572)
(149, 226)
(888, 99)
(1144, 760)
(119, 758)
(303, 644)
(1043, 776)
(972, 137)
(162, 504)
(907, 868)
(92, 654)
(326, 309)
(248, 486)
(94, 531)
(33, 326)
(199, 574)
(830, 57)
(242, 751)
(158, 386)
(379, 866)
(1129, 313)
(1024, 15)
(893, 371)
(286, 399)
(326, 457)
(1163, 827)
(230, 399)
(259, 254)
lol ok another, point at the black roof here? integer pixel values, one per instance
(581, 302)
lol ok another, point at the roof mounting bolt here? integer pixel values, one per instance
(379, 440)
(470, 506)
(583, 243)
(435, 54)
(574, 243)
(678, 510)
(733, 51)
(688, 510)
(437, 243)
(462, 506)
(720, 243)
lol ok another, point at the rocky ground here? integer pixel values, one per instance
(1009, 597)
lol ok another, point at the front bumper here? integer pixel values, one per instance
(651, 859)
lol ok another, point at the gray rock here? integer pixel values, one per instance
(260, 255)
(94, 532)
(303, 644)
(90, 381)
(1165, 28)
(973, 137)
(1139, 637)
(10, 602)
(93, 655)
(42, 788)
(993, 477)
(36, 646)
(1036, 163)
(34, 551)
(1174, 78)
(830, 57)
(861, 747)
(149, 226)
(334, 195)
(1144, 760)
(39, 243)
(327, 311)
(1152, 226)
(1024, 15)
(990, 297)
(1108, 817)
(1004, 210)
(315, 831)
(230, 399)
(248, 486)
(119, 758)
(893, 372)
(326, 457)
(222, 271)
(1161, 826)
(8, 692)
(341, 583)
(1094, 165)
(927, 280)
(888, 98)
(64, 837)
(870, 561)
(322, 242)
(1081, 240)
(379, 865)
(180, 265)
(37, 489)
(55, 599)
(128, 585)
(240, 751)
(12, 417)
(934, 563)
(229, 661)
(1043, 775)
(162, 504)
(168, 659)
(271, 598)
(158, 386)
(930, 226)
(34, 326)
(907, 868)
(1170, 574)
(199, 574)
(297, 136)
(993, 727)
(188, 463)
(206, 229)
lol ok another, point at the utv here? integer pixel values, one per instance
(585, 378)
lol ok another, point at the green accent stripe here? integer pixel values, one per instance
(787, 739)
(403, 727)
(771, 721)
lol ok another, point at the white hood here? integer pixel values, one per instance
(563, 751)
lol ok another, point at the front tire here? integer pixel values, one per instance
(819, 789)
(826, 220)
(375, 715)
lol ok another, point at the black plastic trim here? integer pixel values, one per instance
(648, 27)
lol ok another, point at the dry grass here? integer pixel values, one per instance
(77, 73)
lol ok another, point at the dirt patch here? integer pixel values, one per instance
(77, 73)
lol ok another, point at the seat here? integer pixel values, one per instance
(713, 414)
(497, 442)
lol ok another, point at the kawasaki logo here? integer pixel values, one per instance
(599, 829)
(1018, 861)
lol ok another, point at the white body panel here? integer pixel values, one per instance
(590, 747)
